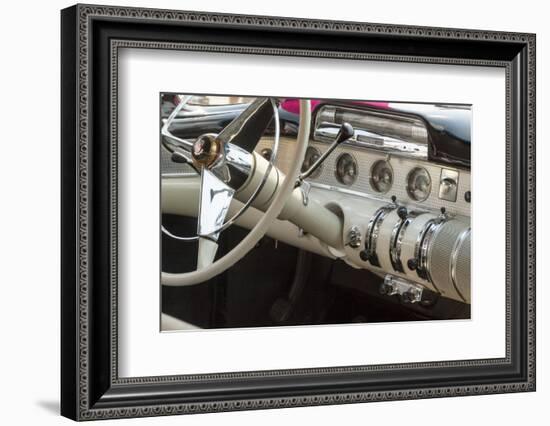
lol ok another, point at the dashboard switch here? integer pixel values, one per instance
(448, 185)
(364, 255)
(412, 264)
(354, 237)
(402, 212)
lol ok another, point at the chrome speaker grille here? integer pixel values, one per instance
(443, 255)
(461, 267)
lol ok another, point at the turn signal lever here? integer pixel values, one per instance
(346, 131)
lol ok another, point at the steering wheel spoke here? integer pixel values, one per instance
(246, 130)
(215, 199)
(207, 252)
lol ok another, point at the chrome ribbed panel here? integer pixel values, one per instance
(462, 271)
(365, 159)
(440, 257)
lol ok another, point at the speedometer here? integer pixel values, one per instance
(419, 184)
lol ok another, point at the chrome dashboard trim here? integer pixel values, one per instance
(397, 235)
(394, 257)
(421, 250)
(381, 143)
(384, 131)
(424, 265)
(373, 229)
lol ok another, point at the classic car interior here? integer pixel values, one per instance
(279, 212)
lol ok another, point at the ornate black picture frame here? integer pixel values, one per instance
(91, 37)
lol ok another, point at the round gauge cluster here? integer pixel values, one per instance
(312, 155)
(381, 176)
(419, 184)
(346, 169)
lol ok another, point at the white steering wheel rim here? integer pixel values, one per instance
(249, 242)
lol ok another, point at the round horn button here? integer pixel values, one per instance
(205, 150)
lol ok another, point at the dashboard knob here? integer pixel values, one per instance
(364, 255)
(412, 264)
(402, 212)
(346, 132)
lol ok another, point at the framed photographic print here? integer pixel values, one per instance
(263, 212)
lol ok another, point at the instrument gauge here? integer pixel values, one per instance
(419, 184)
(346, 169)
(381, 176)
(312, 155)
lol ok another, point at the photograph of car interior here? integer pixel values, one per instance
(382, 232)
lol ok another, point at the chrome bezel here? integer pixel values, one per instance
(424, 248)
(397, 235)
(410, 192)
(372, 233)
(420, 249)
(371, 174)
(423, 264)
(346, 154)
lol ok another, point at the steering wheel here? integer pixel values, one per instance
(227, 163)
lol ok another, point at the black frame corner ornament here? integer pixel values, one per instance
(91, 37)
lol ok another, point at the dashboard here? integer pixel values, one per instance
(380, 175)
(401, 186)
